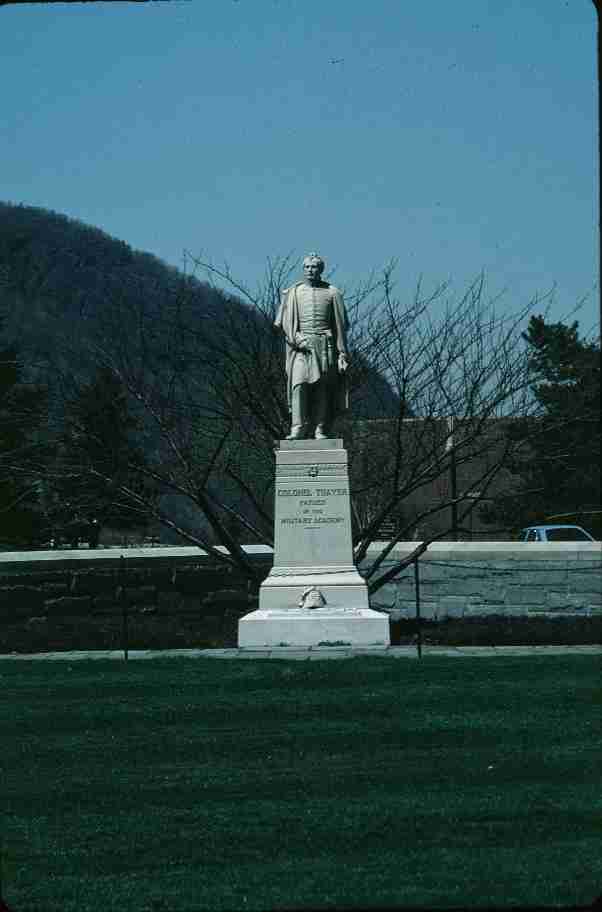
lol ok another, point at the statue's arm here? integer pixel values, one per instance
(341, 322)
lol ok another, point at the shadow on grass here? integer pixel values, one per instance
(202, 631)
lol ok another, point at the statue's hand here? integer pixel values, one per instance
(301, 342)
(343, 363)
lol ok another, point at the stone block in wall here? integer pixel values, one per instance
(403, 609)
(468, 585)
(234, 613)
(489, 605)
(385, 597)
(149, 594)
(406, 608)
(228, 598)
(386, 565)
(500, 566)
(585, 580)
(161, 578)
(213, 622)
(36, 578)
(93, 583)
(404, 576)
(168, 602)
(507, 610)
(135, 595)
(495, 599)
(189, 604)
(131, 577)
(483, 607)
(594, 605)
(37, 621)
(429, 609)
(558, 601)
(432, 572)
(513, 611)
(554, 577)
(475, 605)
(224, 595)
(55, 590)
(20, 601)
(200, 582)
(525, 595)
(105, 604)
(428, 588)
(68, 605)
(451, 606)
(545, 554)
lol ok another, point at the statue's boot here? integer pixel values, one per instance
(298, 432)
(321, 432)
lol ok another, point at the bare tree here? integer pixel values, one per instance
(207, 384)
(459, 367)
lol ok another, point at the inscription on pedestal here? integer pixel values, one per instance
(312, 521)
(311, 508)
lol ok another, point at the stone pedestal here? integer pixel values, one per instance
(313, 551)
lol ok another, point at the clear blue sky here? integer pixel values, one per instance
(457, 137)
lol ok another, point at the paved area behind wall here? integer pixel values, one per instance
(312, 653)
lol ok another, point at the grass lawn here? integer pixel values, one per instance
(257, 784)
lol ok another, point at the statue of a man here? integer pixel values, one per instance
(314, 321)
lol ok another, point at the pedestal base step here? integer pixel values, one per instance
(341, 587)
(314, 627)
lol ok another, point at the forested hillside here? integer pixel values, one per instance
(91, 322)
(56, 273)
(60, 278)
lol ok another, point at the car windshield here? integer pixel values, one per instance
(567, 535)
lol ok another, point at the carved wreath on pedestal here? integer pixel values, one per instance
(312, 598)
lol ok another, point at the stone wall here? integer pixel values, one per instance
(456, 579)
(158, 580)
(460, 579)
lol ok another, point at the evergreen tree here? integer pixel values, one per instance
(100, 470)
(560, 469)
(23, 454)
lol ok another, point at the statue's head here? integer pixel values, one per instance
(313, 267)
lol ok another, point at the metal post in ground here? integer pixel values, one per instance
(418, 619)
(124, 608)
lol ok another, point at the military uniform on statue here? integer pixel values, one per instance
(313, 319)
(313, 594)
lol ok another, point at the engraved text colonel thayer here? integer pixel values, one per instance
(313, 319)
